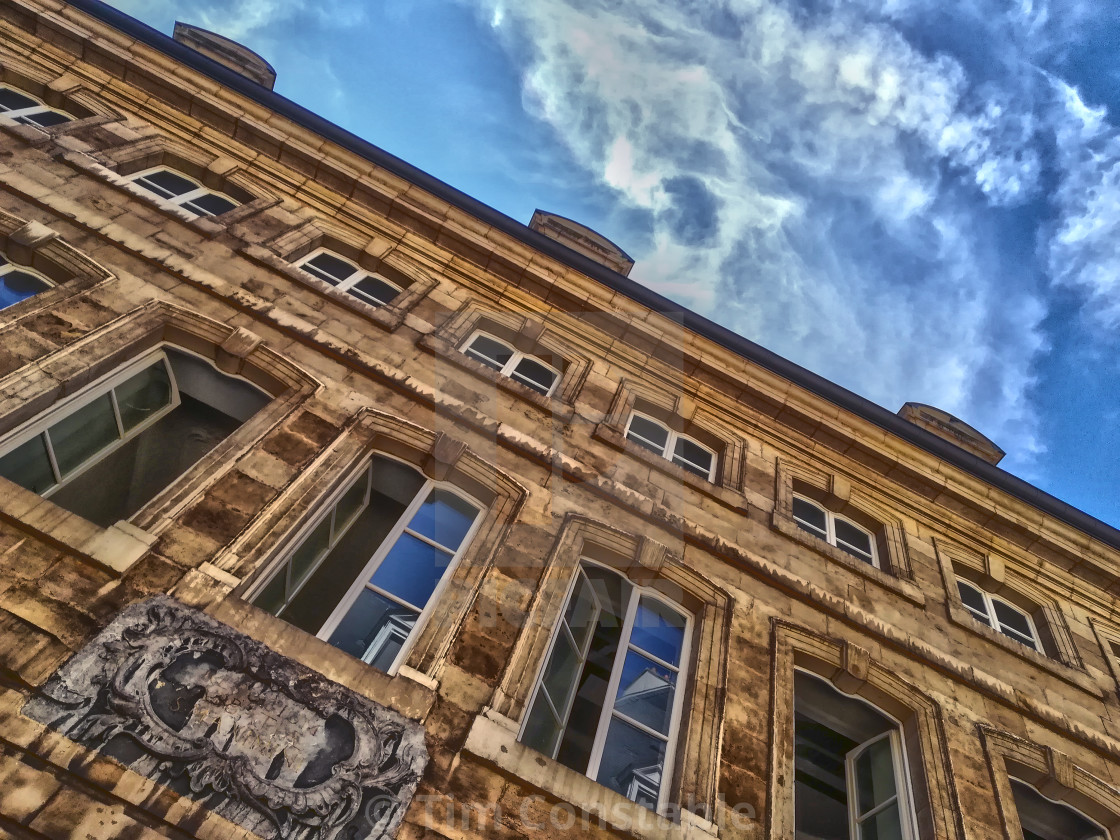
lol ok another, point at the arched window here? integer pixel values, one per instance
(608, 702)
(20, 107)
(364, 571)
(18, 283)
(1044, 819)
(1000, 614)
(347, 277)
(504, 358)
(116, 444)
(176, 188)
(673, 446)
(835, 529)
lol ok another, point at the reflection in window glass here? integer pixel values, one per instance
(18, 283)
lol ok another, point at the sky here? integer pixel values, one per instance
(918, 200)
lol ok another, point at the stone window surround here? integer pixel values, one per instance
(1052, 773)
(991, 573)
(681, 414)
(441, 458)
(64, 92)
(70, 368)
(1108, 637)
(283, 252)
(526, 335)
(39, 247)
(695, 773)
(852, 670)
(839, 495)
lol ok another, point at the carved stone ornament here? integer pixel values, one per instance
(215, 715)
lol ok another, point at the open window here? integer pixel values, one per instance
(116, 444)
(21, 107)
(364, 573)
(347, 277)
(835, 529)
(608, 701)
(18, 282)
(680, 449)
(850, 779)
(173, 187)
(499, 355)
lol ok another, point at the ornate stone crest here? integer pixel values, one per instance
(215, 715)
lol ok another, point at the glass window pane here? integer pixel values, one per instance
(352, 501)
(490, 352)
(560, 675)
(692, 457)
(874, 775)
(311, 549)
(329, 267)
(885, 825)
(646, 692)
(210, 204)
(411, 570)
(28, 465)
(582, 611)
(19, 285)
(143, 395)
(647, 433)
(10, 100)
(445, 518)
(532, 373)
(632, 763)
(658, 629)
(1011, 617)
(167, 184)
(272, 596)
(542, 730)
(374, 290)
(77, 438)
(809, 516)
(971, 598)
(47, 118)
(372, 629)
(853, 536)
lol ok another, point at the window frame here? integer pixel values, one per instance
(15, 114)
(993, 621)
(9, 266)
(509, 368)
(668, 452)
(321, 510)
(607, 713)
(830, 536)
(180, 201)
(347, 284)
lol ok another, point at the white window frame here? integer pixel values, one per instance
(830, 537)
(347, 285)
(8, 267)
(327, 508)
(637, 592)
(668, 452)
(30, 111)
(992, 619)
(510, 367)
(182, 199)
(82, 398)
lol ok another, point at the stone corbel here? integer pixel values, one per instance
(445, 454)
(855, 665)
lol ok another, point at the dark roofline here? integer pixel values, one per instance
(800, 376)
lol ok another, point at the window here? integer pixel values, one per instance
(19, 283)
(997, 613)
(850, 780)
(365, 571)
(176, 188)
(17, 106)
(347, 277)
(109, 451)
(608, 701)
(1044, 819)
(835, 530)
(521, 367)
(680, 449)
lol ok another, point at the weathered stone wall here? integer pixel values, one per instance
(347, 379)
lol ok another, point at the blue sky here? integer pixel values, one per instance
(915, 199)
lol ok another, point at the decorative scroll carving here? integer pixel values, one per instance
(215, 715)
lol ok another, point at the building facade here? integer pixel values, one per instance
(334, 504)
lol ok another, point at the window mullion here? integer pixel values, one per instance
(612, 685)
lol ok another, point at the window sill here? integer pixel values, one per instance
(1062, 670)
(612, 437)
(114, 548)
(449, 352)
(493, 738)
(904, 588)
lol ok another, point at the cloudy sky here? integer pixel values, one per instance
(919, 200)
